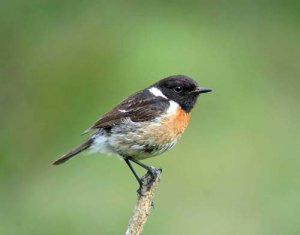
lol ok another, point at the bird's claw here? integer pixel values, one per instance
(147, 180)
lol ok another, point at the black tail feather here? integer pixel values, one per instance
(73, 152)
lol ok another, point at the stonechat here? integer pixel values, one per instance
(145, 124)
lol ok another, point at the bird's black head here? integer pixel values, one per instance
(182, 90)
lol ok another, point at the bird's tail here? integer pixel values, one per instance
(73, 152)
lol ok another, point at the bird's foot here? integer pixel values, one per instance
(154, 171)
(148, 179)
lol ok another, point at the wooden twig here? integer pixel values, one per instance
(144, 203)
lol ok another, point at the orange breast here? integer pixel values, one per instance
(169, 129)
(178, 121)
(172, 126)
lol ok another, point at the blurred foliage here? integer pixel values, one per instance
(63, 64)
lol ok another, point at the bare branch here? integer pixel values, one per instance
(144, 203)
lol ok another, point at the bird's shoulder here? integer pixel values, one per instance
(139, 107)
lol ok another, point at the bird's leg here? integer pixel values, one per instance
(151, 169)
(144, 184)
(133, 171)
(140, 180)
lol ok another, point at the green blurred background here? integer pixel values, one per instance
(64, 63)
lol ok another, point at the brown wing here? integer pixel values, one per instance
(141, 106)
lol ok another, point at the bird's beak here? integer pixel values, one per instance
(200, 90)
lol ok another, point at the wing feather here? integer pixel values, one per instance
(141, 106)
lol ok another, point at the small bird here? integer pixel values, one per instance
(145, 124)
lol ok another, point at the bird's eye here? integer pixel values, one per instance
(178, 89)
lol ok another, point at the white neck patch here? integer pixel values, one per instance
(155, 91)
(173, 107)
